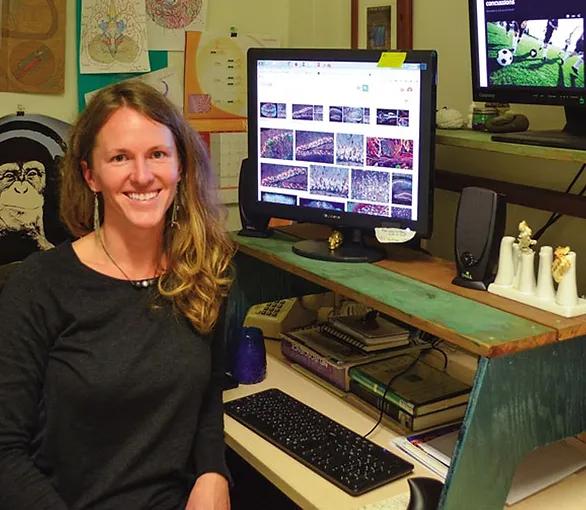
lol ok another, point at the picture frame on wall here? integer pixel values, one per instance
(381, 24)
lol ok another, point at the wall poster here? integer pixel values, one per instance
(32, 46)
(168, 21)
(113, 37)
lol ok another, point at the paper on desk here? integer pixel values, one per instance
(538, 470)
(545, 466)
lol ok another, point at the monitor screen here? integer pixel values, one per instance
(338, 137)
(532, 51)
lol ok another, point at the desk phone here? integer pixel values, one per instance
(276, 317)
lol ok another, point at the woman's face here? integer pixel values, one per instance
(136, 168)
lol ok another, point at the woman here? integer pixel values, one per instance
(110, 378)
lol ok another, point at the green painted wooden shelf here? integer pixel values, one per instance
(477, 327)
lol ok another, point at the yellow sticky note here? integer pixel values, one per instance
(392, 59)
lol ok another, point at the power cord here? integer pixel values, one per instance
(434, 341)
(556, 216)
(388, 386)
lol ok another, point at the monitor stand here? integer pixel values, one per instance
(351, 250)
(573, 136)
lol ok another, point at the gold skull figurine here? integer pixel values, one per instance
(335, 240)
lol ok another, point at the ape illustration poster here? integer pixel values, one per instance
(30, 149)
(113, 37)
(32, 46)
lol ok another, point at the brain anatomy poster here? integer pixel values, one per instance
(167, 22)
(113, 37)
(32, 46)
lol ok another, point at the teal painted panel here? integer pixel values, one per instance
(481, 324)
(88, 82)
(518, 403)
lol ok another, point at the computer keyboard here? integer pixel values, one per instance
(356, 465)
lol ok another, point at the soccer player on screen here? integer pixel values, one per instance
(519, 28)
(552, 26)
(578, 50)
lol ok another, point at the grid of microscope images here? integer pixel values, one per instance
(339, 171)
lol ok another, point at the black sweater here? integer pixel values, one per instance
(105, 401)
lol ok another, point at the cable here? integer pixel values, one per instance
(388, 386)
(435, 348)
(556, 216)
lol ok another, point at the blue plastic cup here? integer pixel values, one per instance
(250, 357)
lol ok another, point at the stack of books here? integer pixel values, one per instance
(419, 396)
(368, 332)
(330, 353)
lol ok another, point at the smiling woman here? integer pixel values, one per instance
(114, 335)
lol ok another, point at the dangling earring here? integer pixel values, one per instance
(174, 210)
(96, 213)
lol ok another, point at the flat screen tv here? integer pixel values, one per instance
(532, 51)
(343, 138)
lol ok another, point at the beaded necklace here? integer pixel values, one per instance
(138, 284)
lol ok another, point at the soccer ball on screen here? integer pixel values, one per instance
(504, 57)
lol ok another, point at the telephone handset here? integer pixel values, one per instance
(279, 316)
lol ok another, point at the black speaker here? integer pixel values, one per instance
(254, 224)
(480, 226)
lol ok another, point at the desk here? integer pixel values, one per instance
(529, 388)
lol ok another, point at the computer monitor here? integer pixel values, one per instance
(343, 138)
(532, 51)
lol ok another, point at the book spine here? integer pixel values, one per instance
(392, 411)
(379, 390)
(315, 363)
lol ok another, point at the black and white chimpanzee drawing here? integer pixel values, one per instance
(28, 190)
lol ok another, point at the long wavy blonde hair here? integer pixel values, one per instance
(198, 250)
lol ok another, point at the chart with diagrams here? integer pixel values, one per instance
(113, 37)
(168, 21)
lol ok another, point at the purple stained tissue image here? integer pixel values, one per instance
(335, 114)
(321, 204)
(355, 115)
(402, 189)
(389, 153)
(329, 180)
(303, 111)
(370, 185)
(401, 212)
(371, 209)
(276, 143)
(283, 176)
(387, 117)
(279, 198)
(314, 146)
(349, 149)
(273, 110)
(404, 118)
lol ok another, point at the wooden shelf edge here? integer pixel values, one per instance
(520, 194)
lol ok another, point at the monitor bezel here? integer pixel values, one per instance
(516, 93)
(423, 226)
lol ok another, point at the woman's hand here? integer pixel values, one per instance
(210, 492)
